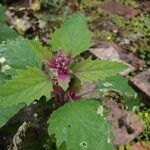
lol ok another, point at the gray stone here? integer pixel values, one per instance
(141, 82)
(105, 53)
(125, 125)
(125, 11)
(88, 90)
(110, 51)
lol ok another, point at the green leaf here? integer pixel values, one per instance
(64, 83)
(9, 111)
(88, 70)
(28, 85)
(73, 37)
(20, 53)
(120, 84)
(3, 78)
(5, 31)
(43, 52)
(80, 126)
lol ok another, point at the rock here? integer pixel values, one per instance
(24, 22)
(141, 82)
(21, 24)
(125, 125)
(132, 59)
(144, 5)
(107, 50)
(126, 39)
(27, 4)
(104, 53)
(104, 24)
(88, 90)
(110, 51)
(35, 5)
(125, 11)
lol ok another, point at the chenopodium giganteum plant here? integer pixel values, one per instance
(30, 71)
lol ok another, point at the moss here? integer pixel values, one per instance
(126, 147)
(132, 3)
(137, 26)
(136, 29)
(104, 35)
(145, 116)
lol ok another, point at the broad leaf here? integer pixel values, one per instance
(73, 36)
(3, 78)
(7, 112)
(80, 126)
(20, 53)
(28, 85)
(5, 31)
(120, 84)
(88, 70)
(43, 52)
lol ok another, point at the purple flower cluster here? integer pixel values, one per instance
(60, 64)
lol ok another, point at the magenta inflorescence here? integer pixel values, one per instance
(60, 63)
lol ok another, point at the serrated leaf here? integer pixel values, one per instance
(43, 52)
(88, 70)
(80, 126)
(7, 112)
(19, 54)
(73, 37)
(5, 31)
(28, 85)
(120, 84)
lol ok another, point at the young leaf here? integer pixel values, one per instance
(120, 84)
(9, 111)
(88, 70)
(80, 126)
(43, 53)
(20, 53)
(5, 31)
(73, 36)
(28, 85)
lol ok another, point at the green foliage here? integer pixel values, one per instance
(137, 31)
(145, 54)
(43, 53)
(7, 112)
(128, 2)
(140, 24)
(119, 84)
(118, 20)
(20, 53)
(73, 37)
(80, 126)
(2, 78)
(28, 85)
(104, 35)
(88, 70)
(5, 31)
(32, 68)
(144, 115)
